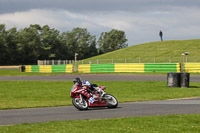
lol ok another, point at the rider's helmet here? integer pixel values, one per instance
(77, 81)
(86, 83)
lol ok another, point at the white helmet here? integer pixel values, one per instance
(86, 83)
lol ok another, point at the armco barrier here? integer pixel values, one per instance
(84, 68)
(35, 69)
(192, 67)
(49, 68)
(129, 67)
(162, 67)
(132, 67)
(136, 67)
(45, 69)
(87, 68)
(102, 68)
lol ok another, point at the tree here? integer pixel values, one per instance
(113, 40)
(49, 43)
(33, 43)
(80, 41)
(3, 35)
(28, 44)
(11, 47)
(63, 49)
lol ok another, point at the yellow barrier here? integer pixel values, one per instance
(28, 68)
(46, 69)
(69, 68)
(192, 67)
(129, 67)
(84, 68)
(178, 66)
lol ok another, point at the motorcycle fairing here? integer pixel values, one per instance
(98, 104)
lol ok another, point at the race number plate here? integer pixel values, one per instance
(91, 100)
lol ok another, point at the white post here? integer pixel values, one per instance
(170, 59)
(139, 60)
(76, 65)
(186, 58)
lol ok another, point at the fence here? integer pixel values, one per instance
(54, 62)
(126, 60)
(141, 60)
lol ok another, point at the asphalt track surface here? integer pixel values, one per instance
(132, 109)
(94, 77)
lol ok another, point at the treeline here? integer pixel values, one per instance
(26, 46)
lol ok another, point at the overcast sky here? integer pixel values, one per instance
(140, 19)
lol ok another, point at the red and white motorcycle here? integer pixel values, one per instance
(83, 97)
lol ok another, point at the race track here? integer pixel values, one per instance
(95, 77)
(132, 109)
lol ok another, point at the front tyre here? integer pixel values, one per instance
(78, 104)
(111, 101)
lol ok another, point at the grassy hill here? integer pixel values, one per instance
(161, 52)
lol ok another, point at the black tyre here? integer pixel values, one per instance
(78, 104)
(111, 101)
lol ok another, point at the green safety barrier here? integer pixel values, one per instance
(102, 68)
(58, 68)
(34, 69)
(161, 67)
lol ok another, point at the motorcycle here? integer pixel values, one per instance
(83, 98)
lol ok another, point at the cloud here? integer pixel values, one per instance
(140, 19)
(8, 6)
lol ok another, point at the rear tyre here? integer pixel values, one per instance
(78, 104)
(111, 101)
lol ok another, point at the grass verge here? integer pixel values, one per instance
(148, 124)
(27, 94)
(16, 72)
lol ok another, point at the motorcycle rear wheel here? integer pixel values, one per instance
(81, 106)
(111, 101)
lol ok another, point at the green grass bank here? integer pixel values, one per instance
(160, 52)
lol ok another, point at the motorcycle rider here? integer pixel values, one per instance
(77, 81)
(94, 87)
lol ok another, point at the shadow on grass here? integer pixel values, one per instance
(193, 87)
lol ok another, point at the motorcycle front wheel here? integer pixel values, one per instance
(78, 104)
(111, 101)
